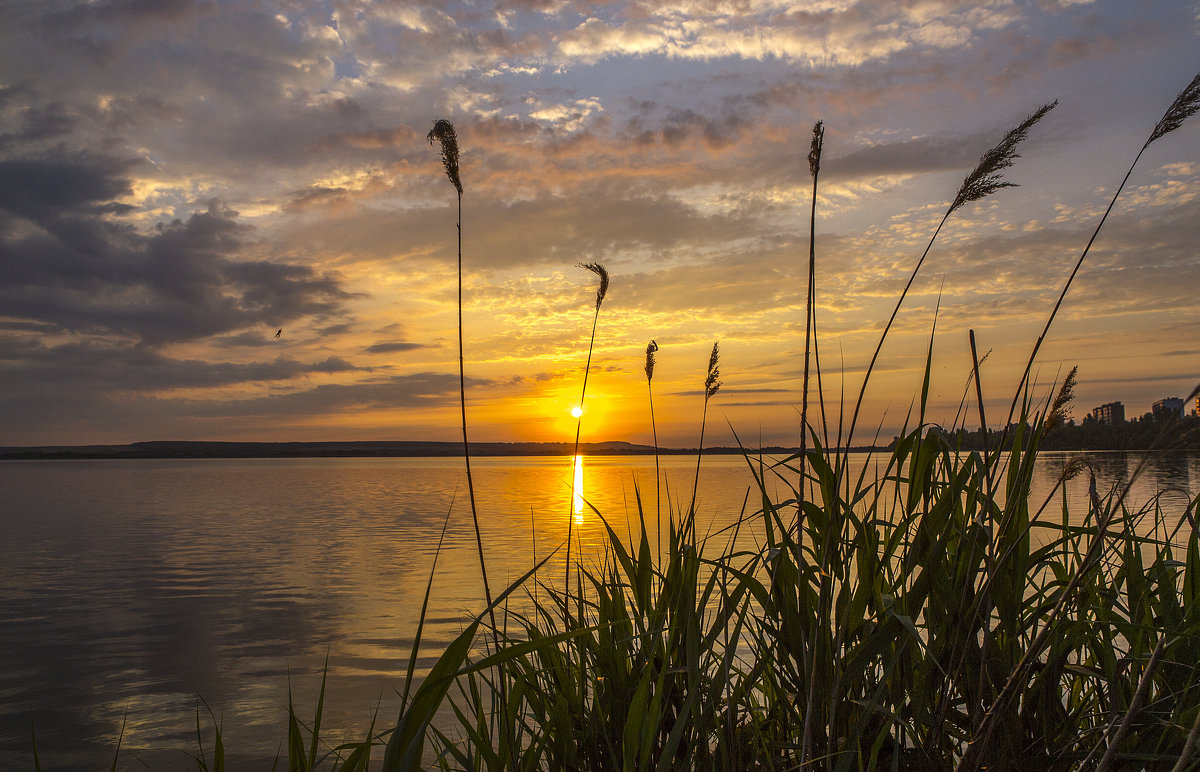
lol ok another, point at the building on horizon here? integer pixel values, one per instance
(1196, 409)
(1169, 407)
(1110, 413)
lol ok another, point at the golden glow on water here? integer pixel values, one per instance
(577, 490)
(323, 550)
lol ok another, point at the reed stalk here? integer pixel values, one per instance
(712, 384)
(651, 350)
(443, 133)
(984, 180)
(601, 291)
(814, 167)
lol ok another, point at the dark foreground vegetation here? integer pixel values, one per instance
(928, 616)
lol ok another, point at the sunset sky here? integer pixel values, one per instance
(181, 178)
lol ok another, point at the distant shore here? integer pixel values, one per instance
(190, 449)
(417, 449)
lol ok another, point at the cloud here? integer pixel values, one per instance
(417, 390)
(391, 347)
(65, 260)
(113, 369)
(178, 180)
(42, 188)
(908, 156)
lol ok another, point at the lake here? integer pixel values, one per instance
(131, 589)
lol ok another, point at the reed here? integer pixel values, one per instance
(601, 292)
(810, 300)
(444, 134)
(651, 350)
(712, 384)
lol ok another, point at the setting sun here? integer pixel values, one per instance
(576, 411)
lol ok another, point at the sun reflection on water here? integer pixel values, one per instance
(577, 490)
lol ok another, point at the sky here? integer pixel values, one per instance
(179, 179)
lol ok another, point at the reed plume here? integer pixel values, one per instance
(651, 349)
(602, 290)
(987, 178)
(814, 151)
(1186, 104)
(1060, 408)
(712, 382)
(444, 134)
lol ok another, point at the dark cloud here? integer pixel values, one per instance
(44, 188)
(113, 369)
(715, 132)
(336, 329)
(911, 156)
(418, 390)
(86, 14)
(65, 260)
(373, 139)
(391, 347)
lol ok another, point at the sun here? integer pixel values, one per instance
(576, 411)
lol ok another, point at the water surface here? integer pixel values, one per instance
(131, 588)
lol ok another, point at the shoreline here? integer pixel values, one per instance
(187, 449)
(365, 449)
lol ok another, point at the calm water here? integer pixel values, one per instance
(130, 588)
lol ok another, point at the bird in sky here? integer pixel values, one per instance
(278, 332)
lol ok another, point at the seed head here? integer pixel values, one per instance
(987, 177)
(1187, 103)
(713, 382)
(1060, 409)
(602, 290)
(1076, 466)
(443, 133)
(651, 347)
(814, 151)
